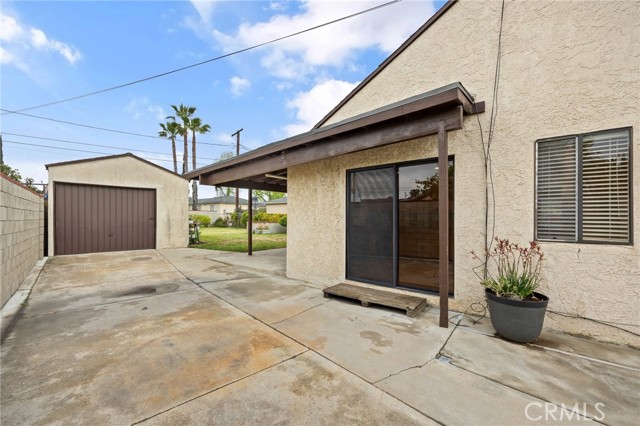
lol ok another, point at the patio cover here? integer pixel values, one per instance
(435, 112)
(265, 168)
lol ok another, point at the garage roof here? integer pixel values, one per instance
(111, 157)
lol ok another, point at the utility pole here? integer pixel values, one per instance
(237, 135)
(1, 156)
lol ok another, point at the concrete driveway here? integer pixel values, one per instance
(190, 336)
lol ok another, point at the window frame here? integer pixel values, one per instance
(394, 284)
(579, 137)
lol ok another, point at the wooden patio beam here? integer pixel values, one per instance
(249, 184)
(372, 138)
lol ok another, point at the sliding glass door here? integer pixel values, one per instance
(392, 225)
(370, 225)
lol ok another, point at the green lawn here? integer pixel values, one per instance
(232, 239)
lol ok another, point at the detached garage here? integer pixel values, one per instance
(115, 203)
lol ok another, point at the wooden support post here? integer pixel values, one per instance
(443, 220)
(250, 225)
(237, 135)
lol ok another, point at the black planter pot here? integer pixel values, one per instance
(517, 320)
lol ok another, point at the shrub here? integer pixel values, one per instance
(203, 220)
(221, 222)
(283, 220)
(267, 217)
(517, 269)
(242, 223)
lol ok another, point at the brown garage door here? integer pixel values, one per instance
(91, 218)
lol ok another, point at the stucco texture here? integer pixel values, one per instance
(558, 76)
(128, 171)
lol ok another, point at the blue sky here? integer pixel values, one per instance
(54, 50)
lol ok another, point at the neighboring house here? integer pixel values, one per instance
(217, 207)
(560, 119)
(115, 203)
(278, 205)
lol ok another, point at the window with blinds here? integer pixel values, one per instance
(583, 188)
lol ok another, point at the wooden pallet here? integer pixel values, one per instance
(412, 305)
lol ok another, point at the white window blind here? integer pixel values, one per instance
(556, 190)
(583, 188)
(605, 187)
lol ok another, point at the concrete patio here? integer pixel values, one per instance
(187, 336)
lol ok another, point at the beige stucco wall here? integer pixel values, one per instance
(277, 208)
(567, 68)
(171, 193)
(21, 235)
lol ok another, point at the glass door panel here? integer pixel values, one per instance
(418, 232)
(370, 225)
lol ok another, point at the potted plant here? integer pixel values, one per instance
(512, 275)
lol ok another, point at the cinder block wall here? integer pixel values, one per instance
(21, 234)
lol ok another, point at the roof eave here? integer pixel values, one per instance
(449, 95)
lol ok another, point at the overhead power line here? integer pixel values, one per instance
(106, 129)
(93, 144)
(81, 125)
(217, 58)
(78, 150)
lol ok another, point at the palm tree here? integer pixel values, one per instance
(184, 113)
(170, 130)
(196, 126)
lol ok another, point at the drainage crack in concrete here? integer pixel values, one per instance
(225, 280)
(588, 358)
(102, 282)
(403, 370)
(94, 305)
(300, 313)
(455, 327)
(218, 388)
(522, 392)
(251, 269)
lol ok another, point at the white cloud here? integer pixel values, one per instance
(141, 107)
(9, 28)
(334, 45)
(204, 8)
(283, 85)
(311, 106)
(5, 56)
(19, 39)
(40, 41)
(278, 5)
(159, 112)
(239, 85)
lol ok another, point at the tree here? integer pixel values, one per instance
(15, 175)
(196, 126)
(223, 190)
(268, 195)
(184, 113)
(11, 172)
(170, 130)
